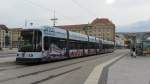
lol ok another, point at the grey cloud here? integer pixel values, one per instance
(140, 26)
(14, 12)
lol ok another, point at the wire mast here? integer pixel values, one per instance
(54, 19)
(25, 23)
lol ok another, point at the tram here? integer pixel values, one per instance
(46, 44)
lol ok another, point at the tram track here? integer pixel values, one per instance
(13, 65)
(54, 76)
(12, 68)
(7, 56)
(7, 64)
(51, 69)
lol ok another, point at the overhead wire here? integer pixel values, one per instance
(91, 13)
(47, 9)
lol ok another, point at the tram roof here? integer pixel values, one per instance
(62, 33)
(54, 32)
(107, 42)
(77, 36)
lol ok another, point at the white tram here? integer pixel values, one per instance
(51, 43)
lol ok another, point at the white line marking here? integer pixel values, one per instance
(93, 78)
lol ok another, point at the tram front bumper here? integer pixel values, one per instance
(28, 60)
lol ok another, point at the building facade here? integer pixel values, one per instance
(120, 41)
(9, 38)
(3, 32)
(14, 34)
(101, 28)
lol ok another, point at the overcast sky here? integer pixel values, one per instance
(122, 12)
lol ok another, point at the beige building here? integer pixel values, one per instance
(3, 32)
(14, 34)
(101, 28)
(9, 37)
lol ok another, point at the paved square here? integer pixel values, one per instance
(130, 71)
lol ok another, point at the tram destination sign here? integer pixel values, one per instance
(55, 32)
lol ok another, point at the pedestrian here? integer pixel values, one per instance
(133, 52)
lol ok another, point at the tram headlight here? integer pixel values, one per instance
(30, 55)
(17, 54)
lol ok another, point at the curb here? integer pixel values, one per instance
(99, 73)
(104, 76)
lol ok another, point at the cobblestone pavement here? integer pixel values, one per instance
(130, 71)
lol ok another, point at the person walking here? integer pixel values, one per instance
(133, 52)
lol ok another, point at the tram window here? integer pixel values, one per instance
(104, 46)
(97, 46)
(72, 45)
(62, 43)
(46, 43)
(82, 45)
(85, 45)
(76, 45)
(79, 45)
(57, 42)
(91, 46)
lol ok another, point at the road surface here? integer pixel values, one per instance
(73, 71)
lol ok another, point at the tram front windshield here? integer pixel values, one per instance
(30, 41)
